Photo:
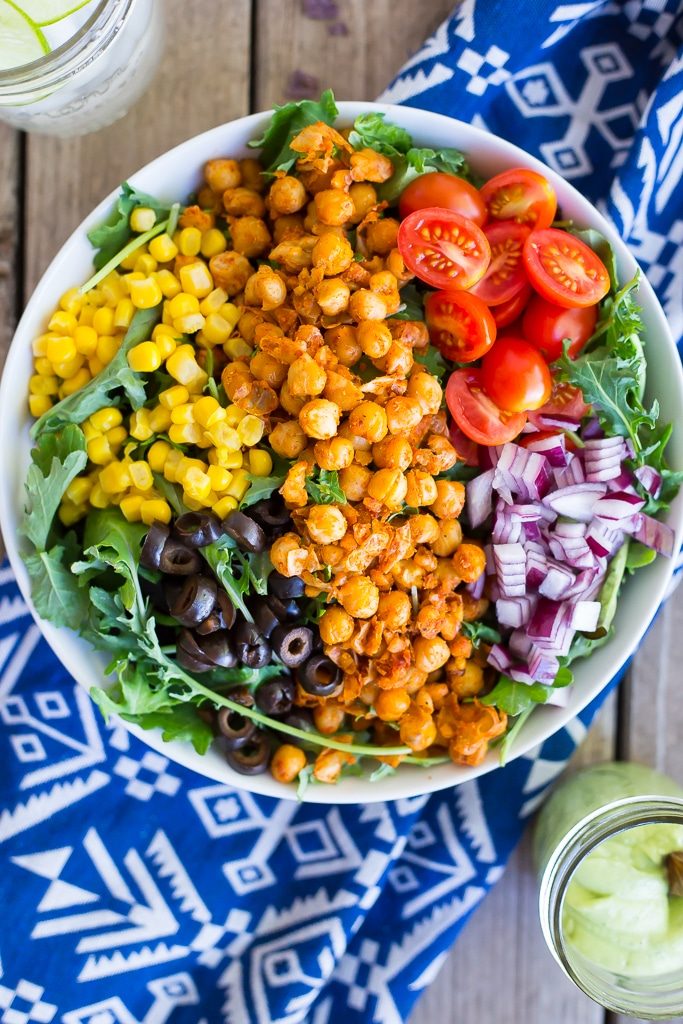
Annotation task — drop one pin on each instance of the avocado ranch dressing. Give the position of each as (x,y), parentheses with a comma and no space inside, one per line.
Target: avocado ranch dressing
(617,911)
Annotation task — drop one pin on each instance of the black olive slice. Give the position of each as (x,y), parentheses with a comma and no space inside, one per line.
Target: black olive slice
(150,555)
(216,649)
(195,600)
(253,758)
(276,696)
(292,644)
(271,511)
(235,728)
(179,560)
(264,617)
(197,529)
(245,531)
(319,676)
(285,587)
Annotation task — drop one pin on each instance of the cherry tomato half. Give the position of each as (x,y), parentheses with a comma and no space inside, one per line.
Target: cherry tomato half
(507,312)
(444,190)
(522,195)
(443,248)
(546,325)
(564,270)
(460,325)
(515,375)
(506,274)
(565,400)
(475,414)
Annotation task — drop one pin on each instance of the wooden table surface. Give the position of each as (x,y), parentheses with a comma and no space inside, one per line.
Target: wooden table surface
(224,60)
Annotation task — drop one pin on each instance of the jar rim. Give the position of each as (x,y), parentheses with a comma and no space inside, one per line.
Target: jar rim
(580,841)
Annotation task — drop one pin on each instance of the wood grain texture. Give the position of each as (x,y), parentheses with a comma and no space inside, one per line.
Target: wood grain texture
(9,233)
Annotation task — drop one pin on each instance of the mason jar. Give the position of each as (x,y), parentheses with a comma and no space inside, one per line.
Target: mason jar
(607,915)
(93,77)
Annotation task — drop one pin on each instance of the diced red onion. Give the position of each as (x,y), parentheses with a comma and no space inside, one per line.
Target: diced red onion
(576,501)
(650,479)
(623,482)
(554,448)
(543,666)
(587,584)
(653,534)
(476,589)
(592,429)
(617,506)
(519,644)
(536,565)
(585,616)
(499,658)
(480,498)
(547,422)
(515,611)
(602,540)
(573,473)
(574,550)
(546,620)
(557,581)
(565,529)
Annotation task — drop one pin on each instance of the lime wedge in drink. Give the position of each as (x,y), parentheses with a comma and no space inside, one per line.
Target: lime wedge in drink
(47,12)
(21,41)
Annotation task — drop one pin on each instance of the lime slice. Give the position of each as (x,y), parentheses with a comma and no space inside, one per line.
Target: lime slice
(20,40)
(48,12)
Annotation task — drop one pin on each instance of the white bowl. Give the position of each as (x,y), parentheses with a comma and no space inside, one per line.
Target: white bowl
(173,176)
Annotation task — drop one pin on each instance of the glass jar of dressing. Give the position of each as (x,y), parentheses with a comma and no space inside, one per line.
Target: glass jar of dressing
(609,847)
(82,71)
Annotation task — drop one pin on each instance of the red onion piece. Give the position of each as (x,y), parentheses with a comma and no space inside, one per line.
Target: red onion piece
(585,616)
(554,448)
(557,581)
(653,534)
(617,506)
(576,501)
(499,658)
(650,479)
(480,498)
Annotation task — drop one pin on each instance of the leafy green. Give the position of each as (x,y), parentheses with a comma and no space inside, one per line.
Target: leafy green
(639,556)
(56,460)
(287,121)
(112,234)
(514,698)
(373,131)
(261,487)
(179,723)
(412,303)
(221,557)
(480,633)
(432,360)
(323,488)
(306,778)
(584,644)
(512,734)
(381,772)
(55,590)
(100,391)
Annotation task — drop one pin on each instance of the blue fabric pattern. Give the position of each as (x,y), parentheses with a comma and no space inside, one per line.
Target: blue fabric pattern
(136,892)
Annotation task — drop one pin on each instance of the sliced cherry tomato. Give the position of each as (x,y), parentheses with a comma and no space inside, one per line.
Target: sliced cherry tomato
(444,190)
(515,375)
(460,325)
(475,414)
(564,270)
(546,325)
(522,195)
(507,312)
(506,274)
(443,248)
(465,448)
(565,400)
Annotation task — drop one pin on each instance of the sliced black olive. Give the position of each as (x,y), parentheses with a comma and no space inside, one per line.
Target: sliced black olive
(216,649)
(197,529)
(241,695)
(156,538)
(264,617)
(179,560)
(195,600)
(285,587)
(292,644)
(320,676)
(189,655)
(286,611)
(253,758)
(276,696)
(211,624)
(235,728)
(250,647)
(271,511)
(226,608)
(245,531)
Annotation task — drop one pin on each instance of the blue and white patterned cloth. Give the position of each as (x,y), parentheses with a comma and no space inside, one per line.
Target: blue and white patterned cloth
(136,892)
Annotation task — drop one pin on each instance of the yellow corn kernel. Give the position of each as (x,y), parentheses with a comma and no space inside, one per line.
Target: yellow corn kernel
(75,383)
(166,317)
(60,348)
(185,433)
(78,490)
(39,385)
(123,314)
(105,419)
(166,344)
(71,301)
(190,241)
(213,301)
(208,411)
(224,436)
(99,452)
(95,365)
(172,397)
(85,338)
(213,243)
(189,324)
(130,506)
(145,357)
(142,219)
(146,293)
(157,455)
(117,436)
(168,282)
(112,289)
(236,348)
(232,460)
(216,330)
(98,499)
(224,506)
(145,264)
(128,262)
(94,297)
(186,464)
(43,367)
(103,321)
(163,248)
(196,279)
(233,414)
(220,478)
(134,275)
(250,430)
(182,413)
(182,305)
(260,462)
(141,475)
(69,367)
(138,425)
(239,485)
(89,431)
(196,484)
(155,510)
(230,312)
(114,478)
(62,322)
(38,404)
(39,345)
(70,514)
(107,347)
(184,368)
(86,316)
(159,419)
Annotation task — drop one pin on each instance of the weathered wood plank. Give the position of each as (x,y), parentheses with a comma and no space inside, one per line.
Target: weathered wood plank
(10,229)
(203,81)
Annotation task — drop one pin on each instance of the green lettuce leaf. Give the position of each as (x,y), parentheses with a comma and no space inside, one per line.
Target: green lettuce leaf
(56,594)
(324,489)
(111,236)
(56,460)
(287,121)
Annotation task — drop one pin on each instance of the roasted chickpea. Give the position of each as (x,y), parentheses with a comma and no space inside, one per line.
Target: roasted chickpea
(427,390)
(380,235)
(398,361)
(369,165)
(344,392)
(374,338)
(359,597)
(392,453)
(367,305)
(288,439)
(396,264)
(333,206)
(305,377)
(336,626)
(287,195)
(403,413)
(472,607)
(289,226)
(361,445)
(236,378)
(195,217)
(242,202)
(320,418)
(353,481)
(221,174)
(385,284)
(412,334)
(364,197)
(265,289)
(332,254)
(328,765)
(293,489)
(450,499)
(407,574)
(428,620)
(343,341)
(335,453)
(424,529)
(390,705)
(287,555)
(388,486)
(328,718)
(450,536)
(265,367)
(326,524)
(470,682)
(250,236)
(332,295)
(286,762)
(394,610)
(208,200)
(252,174)
(417,729)
(249,320)
(430,653)
(368,420)
(289,402)
(230,271)
(293,253)
(421,488)
(469,561)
